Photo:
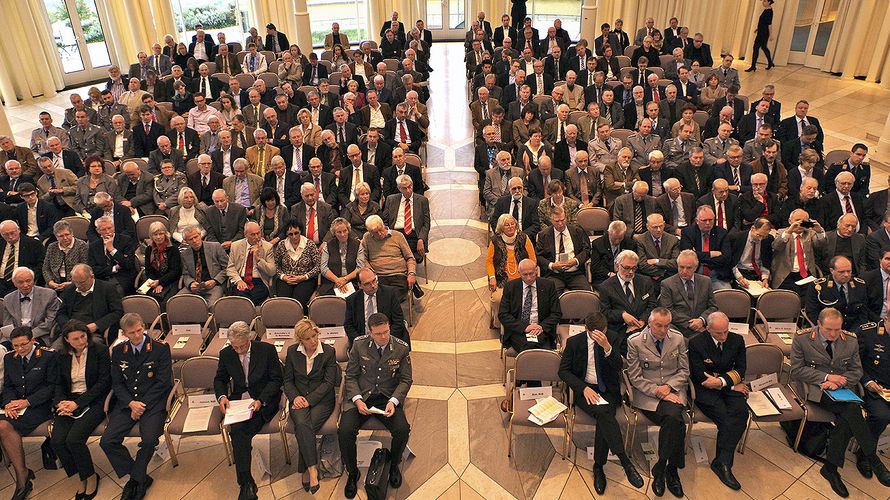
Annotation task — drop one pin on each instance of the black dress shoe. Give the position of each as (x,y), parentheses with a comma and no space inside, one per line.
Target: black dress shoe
(672,479)
(880,471)
(248,491)
(23,492)
(314,489)
(91,496)
(351,485)
(725,474)
(863,465)
(305,486)
(751,69)
(770,66)
(599,479)
(633,477)
(142,488)
(657,481)
(395,476)
(834,479)
(129,489)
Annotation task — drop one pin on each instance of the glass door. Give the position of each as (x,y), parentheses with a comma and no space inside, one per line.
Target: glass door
(79,35)
(446,19)
(812,31)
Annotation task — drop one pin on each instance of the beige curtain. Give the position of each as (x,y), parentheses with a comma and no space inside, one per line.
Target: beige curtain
(493,9)
(379,11)
(135,26)
(278,12)
(29,66)
(161,14)
(860,41)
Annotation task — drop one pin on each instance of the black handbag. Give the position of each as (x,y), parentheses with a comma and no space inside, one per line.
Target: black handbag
(377,481)
(814,439)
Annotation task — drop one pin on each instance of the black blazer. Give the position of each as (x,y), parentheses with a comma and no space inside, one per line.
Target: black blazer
(875,244)
(731,204)
(98,377)
(47,215)
(530,222)
(370,174)
(125,258)
(545,248)
(390,134)
(328,188)
(787,129)
(510,313)
(388,303)
(602,259)
(214,183)
(192,142)
(706,358)
(382,157)
(691,238)
(738,110)
(263,381)
(31,254)
(833,209)
(562,161)
(319,385)
(795,180)
(107,307)
(686,174)
(737,242)
(306,154)
(390,186)
(535,181)
(614,302)
(6,184)
(573,365)
(217,158)
(36,383)
(750,209)
(291,186)
(123,222)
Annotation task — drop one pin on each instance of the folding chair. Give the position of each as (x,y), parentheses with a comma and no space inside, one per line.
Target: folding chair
(665,59)
(391,64)
(149,310)
(736,304)
(330,310)
(629,50)
(537,365)
(836,156)
(246,80)
(594,220)
(575,306)
(701,117)
(222,77)
(226,311)
(196,377)
(191,167)
(187,309)
(776,306)
(143,225)
(141,163)
(79,226)
(280,312)
(623,61)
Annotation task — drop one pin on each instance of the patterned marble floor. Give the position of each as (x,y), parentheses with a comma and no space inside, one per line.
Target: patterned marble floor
(458,433)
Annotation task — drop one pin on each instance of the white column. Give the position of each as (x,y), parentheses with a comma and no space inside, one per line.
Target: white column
(5,129)
(882,152)
(304,30)
(588,20)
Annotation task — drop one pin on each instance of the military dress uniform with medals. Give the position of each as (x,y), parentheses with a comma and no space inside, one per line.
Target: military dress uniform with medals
(32,378)
(853,303)
(874,353)
(138,373)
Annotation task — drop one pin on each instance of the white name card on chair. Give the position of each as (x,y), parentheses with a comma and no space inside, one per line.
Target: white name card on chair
(765,381)
(576,329)
(186,330)
(202,400)
(280,333)
(331,332)
(529,393)
(782,327)
(223,333)
(739,328)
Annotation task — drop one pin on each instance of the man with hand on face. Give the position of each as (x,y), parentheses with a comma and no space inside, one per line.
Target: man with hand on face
(591,365)
(250,265)
(141,378)
(752,254)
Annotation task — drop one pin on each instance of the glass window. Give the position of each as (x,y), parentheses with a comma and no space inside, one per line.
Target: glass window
(352,15)
(64,36)
(231,17)
(433,14)
(544,12)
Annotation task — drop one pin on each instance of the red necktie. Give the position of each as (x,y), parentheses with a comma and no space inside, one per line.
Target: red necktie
(754,265)
(706,247)
(765,211)
(310,226)
(408,220)
(655,96)
(181,144)
(248,270)
(849,206)
(720,221)
(403,135)
(801,261)
(147,129)
(318,185)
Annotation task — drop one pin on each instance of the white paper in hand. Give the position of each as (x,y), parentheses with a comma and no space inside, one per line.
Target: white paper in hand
(376,411)
(239,411)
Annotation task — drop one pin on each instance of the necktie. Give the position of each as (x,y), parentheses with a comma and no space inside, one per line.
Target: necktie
(24,364)
(585,193)
(157,65)
(369,310)
(198,267)
(298,160)
(10,264)
(525,316)
(590,78)
(261,163)
(655,96)
(638,217)
(844,295)
(706,247)
(242,140)
(628,292)
(356,177)
(318,186)
(180,143)
(736,178)
(540,85)
(754,265)
(562,130)
(829,349)
(225,65)
(147,129)
(52,181)
(256,111)
(252,63)
(403,134)
(206,84)
(342,134)
(205,181)
(801,260)
(562,248)
(720,346)
(848,205)
(690,290)
(310,224)
(245,365)
(658,345)
(484,111)
(516,210)
(720,219)
(409,221)
(675,211)
(380,351)
(248,270)
(725,72)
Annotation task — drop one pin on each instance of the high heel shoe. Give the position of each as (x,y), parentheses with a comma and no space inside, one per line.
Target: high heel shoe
(91,496)
(305,486)
(770,66)
(751,69)
(314,489)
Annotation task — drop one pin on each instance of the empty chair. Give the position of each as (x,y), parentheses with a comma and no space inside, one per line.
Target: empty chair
(836,156)
(766,359)
(535,365)
(280,313)
(575,306)
(776,306)
(190,319)
(226,311)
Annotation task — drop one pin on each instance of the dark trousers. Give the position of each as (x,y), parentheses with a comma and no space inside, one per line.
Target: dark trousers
(760,42)
(242,435)
(608,433)
(351,421)
(730,413)
(569,281)
(878,414)
(307,422)
(151,427)
(789,284)
(672,436)
(849,424)
(399,281)
(302,291)
(412,239)
(257,294)
(69,441)
(518,342)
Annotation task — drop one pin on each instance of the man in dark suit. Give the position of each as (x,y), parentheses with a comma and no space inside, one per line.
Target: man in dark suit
(775,107)
(136,188)
(877,242)
(283,180)
(145,133)
(627,297)
(695,175)
(529,311)
(357,169)
(539,178)
(313,215)
(711,247)
(95,302)
(403,133)
(699,51)
(401,167)
(65,158)
(843,241)
(17,252)
(247,367)
(562,157)
(503,31)
(752,254)
(141,377)
(399,206)
(730,99)
(184,139)
(224,156)
(735,171)
(606,38)
(717,363)
(113,256)
(792,127)
(122,217)
(205,181)
(296,152)
(523,208)
(758,203)
(603,250)
(44,213)
(876,284)
(842,200)
(225,220)
(688,295)
(375,151)
(11,183)
(373,298)
(563,251)
(860,169)
(276,41)
(208,47)
(345,131)
(592,385)
(677,206)
(724,204)
(751,122)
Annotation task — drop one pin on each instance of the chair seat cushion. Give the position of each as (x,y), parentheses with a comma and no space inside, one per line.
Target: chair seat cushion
(178,421)
(520,413)
(191,349)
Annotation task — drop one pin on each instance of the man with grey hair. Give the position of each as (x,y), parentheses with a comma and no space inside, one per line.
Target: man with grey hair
(313,214)
(204,265)
(16,252)
(604,250)
(627,296)
(250,267)
(120,215)
(717,363)
(31,305)
(402,132)
(95,302)
(388,254)
(136,188)
(409,213)
(688,295)
(113,256)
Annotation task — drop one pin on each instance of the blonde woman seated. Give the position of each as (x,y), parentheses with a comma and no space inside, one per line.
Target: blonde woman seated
(188,213)
(687,119)
(162,264)
(311,379)
(508,247)
(311,131)
(359,209)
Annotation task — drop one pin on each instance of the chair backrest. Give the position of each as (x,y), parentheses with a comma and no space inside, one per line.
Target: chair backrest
(328,310)
(199,372)
(228,310)
(623,61)
(145,222)
(763,359)
(191,167)
(328,65)
(577,304)
(540,99)
(307,88)
(146,307)
(271,79)
(836,156)
(246,80)
(326,55)
(736,304)
(624,71)
(334,77)
(211,67)
(240,55)
(779,305)
(110,169)
(701,117)
(273,66)
(658,71)
(270,56)
(281,312)
(622,134)
(141,163)
(593,219)
(391,64)
(187,309)
(373,44)
(629,51)
(236,47)
(79,226)
(665,59)
(537,364)
(413,159)
(574,116)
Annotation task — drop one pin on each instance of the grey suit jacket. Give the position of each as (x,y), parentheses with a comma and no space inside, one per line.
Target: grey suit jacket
(216,258)
(784,255)
(647,368)
(264,262)
(623,209)
(493,189)
(163,63)
(667,258)
(38,139)
(687,201)
(673,296)
(573,185)
(810,362)
(826,249)
(714,150)
(44,306)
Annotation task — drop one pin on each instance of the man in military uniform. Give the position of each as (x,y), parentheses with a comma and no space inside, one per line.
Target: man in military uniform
(167,186)
(824,358)
(676,150)
(378,375)
(642,143)
(841,291)
(86,139)
(658,368)
(874,353)
(717,364)
(141,378)
(31,373)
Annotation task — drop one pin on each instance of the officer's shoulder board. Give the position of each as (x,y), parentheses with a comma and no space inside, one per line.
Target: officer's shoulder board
(869,326)
(399,341)
(806,331)
(361,337)
(857,279)
(845,334)
(635,335)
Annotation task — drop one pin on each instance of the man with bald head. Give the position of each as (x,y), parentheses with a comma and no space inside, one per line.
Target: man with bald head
(845,241)
(633,208)
(95,302)
(529,310)
(136,188)
(843,201)
(251,267)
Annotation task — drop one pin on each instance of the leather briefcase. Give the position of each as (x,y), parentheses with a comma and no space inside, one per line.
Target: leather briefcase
(377,480)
